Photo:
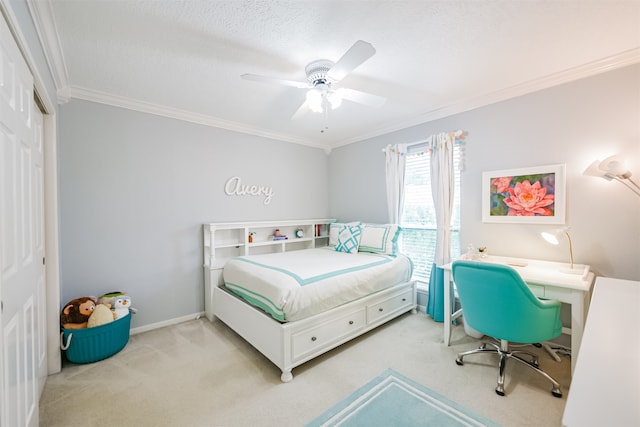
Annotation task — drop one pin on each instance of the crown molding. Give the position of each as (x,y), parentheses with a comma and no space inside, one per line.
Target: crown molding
(38,82)
(610,63)
(623,59)
(42,13)
(187,116)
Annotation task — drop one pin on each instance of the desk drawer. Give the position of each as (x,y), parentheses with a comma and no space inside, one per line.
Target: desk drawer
(538,290)
(550,292)
(560,294)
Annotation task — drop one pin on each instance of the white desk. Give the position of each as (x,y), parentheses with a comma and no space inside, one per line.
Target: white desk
(547,280)
(605,390)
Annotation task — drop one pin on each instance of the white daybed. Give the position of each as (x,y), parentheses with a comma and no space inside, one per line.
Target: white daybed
(290,343)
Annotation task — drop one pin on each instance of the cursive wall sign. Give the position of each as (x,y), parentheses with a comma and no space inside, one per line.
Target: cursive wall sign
(235,187)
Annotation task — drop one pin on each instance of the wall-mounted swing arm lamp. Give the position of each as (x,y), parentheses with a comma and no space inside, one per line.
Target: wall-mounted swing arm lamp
(554,237)
(613,168)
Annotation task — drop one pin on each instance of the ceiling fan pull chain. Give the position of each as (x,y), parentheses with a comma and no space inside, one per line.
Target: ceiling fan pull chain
(325,117)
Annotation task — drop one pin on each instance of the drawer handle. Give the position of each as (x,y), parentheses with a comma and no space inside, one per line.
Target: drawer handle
(351,322)
(404,299)
(380,309)
(313,338)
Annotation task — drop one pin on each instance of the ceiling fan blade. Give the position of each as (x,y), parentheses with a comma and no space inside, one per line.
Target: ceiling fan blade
(362,97)
(283,82)
(304,109)
(356,55)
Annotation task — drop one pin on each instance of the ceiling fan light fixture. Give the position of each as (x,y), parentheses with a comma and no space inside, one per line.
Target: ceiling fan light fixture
(321,97)
(314,100)
(334,98)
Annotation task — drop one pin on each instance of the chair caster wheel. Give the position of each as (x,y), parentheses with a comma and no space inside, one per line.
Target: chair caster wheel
(556,393)
(459,362)
(500,392)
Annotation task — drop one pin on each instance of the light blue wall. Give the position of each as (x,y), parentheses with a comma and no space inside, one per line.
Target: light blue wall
(357,182)
(135,189)
(574,123)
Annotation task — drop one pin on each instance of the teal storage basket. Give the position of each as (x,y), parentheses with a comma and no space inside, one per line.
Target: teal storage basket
(90,345)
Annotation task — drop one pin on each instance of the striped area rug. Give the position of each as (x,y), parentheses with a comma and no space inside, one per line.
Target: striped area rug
(392,399)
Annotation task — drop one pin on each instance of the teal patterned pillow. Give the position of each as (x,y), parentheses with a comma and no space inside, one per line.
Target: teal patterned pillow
(349,239)
(334,230)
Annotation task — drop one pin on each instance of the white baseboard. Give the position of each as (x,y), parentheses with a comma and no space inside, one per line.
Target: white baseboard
(164,323)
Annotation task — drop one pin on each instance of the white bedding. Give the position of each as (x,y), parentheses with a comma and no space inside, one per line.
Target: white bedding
(293,285)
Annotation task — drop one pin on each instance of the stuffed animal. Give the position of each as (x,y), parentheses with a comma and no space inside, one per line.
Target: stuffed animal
(76,312)
(101,315)
(109,297)
(121,305)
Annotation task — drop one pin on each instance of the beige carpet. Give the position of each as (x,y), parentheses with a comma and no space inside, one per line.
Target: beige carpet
(200,373)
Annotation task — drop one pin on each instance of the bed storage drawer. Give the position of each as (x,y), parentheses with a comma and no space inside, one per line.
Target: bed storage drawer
(307,341)
(389,306)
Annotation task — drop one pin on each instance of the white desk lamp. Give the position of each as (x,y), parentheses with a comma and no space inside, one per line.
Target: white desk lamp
(554,237)
(613,168)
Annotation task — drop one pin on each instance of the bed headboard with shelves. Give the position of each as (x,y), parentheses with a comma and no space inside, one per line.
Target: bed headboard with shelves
(223,241)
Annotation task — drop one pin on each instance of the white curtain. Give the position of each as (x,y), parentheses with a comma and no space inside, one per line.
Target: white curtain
(395,157)
(442,189)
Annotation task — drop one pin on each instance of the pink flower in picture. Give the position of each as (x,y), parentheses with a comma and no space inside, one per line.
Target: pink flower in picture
(502,183)
(526,199)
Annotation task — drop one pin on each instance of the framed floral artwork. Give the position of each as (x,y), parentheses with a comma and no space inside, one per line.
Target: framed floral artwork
(533,195)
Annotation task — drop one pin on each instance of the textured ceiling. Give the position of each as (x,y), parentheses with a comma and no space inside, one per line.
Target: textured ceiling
(185,58)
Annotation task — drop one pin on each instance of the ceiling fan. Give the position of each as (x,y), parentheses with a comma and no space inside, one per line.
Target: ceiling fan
(323,76)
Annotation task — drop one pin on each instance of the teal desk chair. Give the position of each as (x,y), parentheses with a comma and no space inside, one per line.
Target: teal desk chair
(497,302)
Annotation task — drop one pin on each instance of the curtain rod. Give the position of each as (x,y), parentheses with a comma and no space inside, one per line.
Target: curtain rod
(458,134)
(409,147)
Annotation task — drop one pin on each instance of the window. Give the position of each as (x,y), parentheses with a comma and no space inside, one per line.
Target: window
(419,216)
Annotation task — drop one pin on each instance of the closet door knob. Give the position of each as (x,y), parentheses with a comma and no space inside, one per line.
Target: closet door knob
(313,338)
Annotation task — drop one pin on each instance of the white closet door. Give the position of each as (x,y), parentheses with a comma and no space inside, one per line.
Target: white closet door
(22,284)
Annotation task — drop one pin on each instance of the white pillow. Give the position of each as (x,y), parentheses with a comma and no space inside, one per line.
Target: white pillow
(349,239)
(380,238)
(334,230)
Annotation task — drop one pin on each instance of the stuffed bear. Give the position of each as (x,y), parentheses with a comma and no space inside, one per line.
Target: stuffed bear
(101,315)
(76,312)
